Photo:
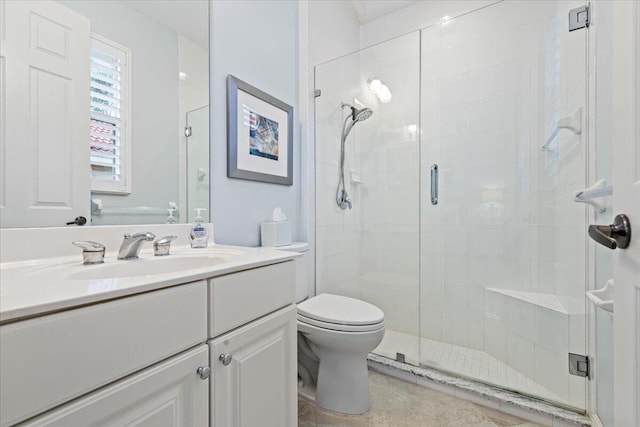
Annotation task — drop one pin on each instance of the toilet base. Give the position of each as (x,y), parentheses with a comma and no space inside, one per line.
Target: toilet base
(308,391)
(343,383)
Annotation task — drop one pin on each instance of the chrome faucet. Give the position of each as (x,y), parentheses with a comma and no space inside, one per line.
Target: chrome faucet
(131,244)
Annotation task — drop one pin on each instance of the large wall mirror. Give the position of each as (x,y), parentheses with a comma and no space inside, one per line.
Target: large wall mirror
(105,111)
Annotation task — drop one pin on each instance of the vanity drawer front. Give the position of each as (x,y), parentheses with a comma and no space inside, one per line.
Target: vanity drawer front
(241,297)
(51,359)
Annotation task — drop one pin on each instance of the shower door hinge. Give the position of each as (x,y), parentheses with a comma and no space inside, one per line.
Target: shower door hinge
(579,17)
(579,365)
(317,93)
(187,131)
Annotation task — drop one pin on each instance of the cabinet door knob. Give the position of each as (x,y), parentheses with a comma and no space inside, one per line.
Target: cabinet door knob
(204,372)
(225,358)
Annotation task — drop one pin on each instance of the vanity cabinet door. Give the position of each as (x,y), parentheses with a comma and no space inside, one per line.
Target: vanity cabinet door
(166,395)
(254,381)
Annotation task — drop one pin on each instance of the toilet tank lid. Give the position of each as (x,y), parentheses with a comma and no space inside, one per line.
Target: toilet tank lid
(341,310)
(295,247)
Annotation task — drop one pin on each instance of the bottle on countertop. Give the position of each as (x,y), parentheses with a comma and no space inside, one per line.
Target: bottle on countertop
(170,218)
(198,234)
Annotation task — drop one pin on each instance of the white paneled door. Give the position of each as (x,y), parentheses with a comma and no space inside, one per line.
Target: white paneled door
(44,114)
(626,182)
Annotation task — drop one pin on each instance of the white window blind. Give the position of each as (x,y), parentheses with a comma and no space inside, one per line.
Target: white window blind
(108,136)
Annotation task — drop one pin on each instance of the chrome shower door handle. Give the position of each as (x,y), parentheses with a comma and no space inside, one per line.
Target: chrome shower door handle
(616,235)
(434,184)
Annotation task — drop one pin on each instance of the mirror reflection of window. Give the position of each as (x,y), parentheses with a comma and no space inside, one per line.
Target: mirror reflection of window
(112,86)
(109,98)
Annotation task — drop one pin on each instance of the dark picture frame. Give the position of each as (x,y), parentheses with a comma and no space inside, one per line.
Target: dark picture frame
(259,135)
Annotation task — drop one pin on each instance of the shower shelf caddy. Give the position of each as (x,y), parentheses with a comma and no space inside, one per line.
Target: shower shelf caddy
(595,195)
(572,122)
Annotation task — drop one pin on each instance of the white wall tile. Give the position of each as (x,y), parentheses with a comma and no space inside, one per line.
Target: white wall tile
(431,323)
(456,299)
(476,328)
(457,329)
(551,371)
(521,319)
(495,339)
(552,330)
(520,354)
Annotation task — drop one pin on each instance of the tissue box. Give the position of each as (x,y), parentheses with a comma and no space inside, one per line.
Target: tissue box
(275,233)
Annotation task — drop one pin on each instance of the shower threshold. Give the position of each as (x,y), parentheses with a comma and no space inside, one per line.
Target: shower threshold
(462,361)
(475,370)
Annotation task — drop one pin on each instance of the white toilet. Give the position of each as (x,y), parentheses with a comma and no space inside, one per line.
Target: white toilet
(335,335)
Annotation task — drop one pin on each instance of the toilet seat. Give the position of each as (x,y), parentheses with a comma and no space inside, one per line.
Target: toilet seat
(340,313)
(340,328)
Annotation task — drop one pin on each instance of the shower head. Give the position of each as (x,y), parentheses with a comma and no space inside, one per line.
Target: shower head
(357,115)
(361,114)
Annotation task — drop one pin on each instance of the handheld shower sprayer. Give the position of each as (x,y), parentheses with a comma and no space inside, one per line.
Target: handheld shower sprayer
(357,115)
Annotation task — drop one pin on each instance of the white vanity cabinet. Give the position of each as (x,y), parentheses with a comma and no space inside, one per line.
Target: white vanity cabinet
(254,366)
(153,358)
(50,360)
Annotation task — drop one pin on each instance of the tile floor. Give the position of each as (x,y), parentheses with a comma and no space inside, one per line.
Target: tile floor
(462,361)
(396,403)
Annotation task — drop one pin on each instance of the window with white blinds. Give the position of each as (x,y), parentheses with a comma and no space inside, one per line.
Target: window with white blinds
(109,107)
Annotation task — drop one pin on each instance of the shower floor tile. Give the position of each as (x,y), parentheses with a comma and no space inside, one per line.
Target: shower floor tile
(461,361)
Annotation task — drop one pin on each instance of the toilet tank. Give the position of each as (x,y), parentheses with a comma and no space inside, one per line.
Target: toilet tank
(303,269)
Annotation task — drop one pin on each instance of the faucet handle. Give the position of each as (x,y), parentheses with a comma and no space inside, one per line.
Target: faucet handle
(162,245)
(92,252)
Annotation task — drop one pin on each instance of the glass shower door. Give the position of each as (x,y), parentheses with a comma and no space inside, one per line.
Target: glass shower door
(198,162)
(371,250)
(503,270)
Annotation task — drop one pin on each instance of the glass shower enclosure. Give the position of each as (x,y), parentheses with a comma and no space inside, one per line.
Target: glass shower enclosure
(197,164)
(486,280)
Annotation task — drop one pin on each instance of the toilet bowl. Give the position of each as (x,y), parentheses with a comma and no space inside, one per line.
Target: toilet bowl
(335,336)
(340,332)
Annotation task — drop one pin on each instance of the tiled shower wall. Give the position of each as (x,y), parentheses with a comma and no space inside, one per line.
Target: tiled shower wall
(388,153)
(371,251)
(338,240)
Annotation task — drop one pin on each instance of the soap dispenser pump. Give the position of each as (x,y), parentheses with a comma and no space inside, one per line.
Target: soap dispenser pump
(198,234)
(170,218)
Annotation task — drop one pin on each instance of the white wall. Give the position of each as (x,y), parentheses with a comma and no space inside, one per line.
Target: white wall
(419,15)
(334,30)
(154,105)
(257,43)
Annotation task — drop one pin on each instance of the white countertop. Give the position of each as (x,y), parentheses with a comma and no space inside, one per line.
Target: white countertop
(35,287)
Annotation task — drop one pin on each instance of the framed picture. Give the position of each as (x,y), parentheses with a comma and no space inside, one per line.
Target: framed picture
(260,135)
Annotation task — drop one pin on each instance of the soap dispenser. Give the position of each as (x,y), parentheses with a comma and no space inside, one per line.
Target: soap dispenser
(170,218)
(198,234)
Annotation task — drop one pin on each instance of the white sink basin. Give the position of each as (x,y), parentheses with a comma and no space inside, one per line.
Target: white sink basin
(113,269)
(145,267)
